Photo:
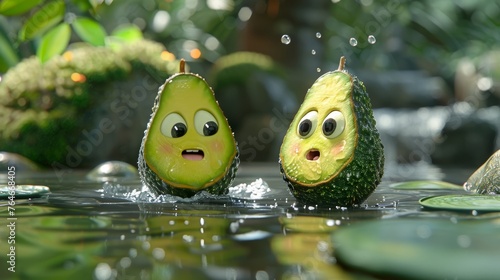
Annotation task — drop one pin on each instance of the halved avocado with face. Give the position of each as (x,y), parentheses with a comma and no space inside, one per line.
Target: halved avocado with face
(188,145)
(332,153)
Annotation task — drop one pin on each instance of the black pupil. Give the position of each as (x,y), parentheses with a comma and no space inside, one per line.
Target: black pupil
(178,130)
(305,127)
(210,128)
(329,126)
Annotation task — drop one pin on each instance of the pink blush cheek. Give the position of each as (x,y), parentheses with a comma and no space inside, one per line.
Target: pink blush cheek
(165,147)
(337,149)
(295,149)
(216,146)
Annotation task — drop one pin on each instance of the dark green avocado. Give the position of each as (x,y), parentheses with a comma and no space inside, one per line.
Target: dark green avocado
(332,154)
(188,146)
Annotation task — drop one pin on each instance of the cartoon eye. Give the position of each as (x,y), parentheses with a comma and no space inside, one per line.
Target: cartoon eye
(205,123)
(173,126)
(334,124)
(307,124)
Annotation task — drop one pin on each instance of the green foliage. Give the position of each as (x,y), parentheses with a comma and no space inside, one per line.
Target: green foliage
(122,35)
(17,7)
(40,117)
(54,42)
(45,25)
(8,56)
(44,19)
(89,31)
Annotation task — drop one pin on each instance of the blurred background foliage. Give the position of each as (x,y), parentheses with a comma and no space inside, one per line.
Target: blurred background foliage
(426,34)
(422,44)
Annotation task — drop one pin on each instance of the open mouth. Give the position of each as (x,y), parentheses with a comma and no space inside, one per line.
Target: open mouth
(312,155)
(193,154)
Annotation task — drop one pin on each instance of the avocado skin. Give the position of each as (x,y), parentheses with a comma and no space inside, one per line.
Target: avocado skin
(347,189)
(159,187)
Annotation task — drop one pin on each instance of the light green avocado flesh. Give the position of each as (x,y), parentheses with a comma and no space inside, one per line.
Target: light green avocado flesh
(331,92)
(192,161)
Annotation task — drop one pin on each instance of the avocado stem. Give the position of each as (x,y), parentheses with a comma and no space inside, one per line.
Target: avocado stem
(182,66)
(341,63)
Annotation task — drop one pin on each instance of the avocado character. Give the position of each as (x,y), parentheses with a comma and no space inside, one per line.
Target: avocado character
(332,154)
(188,145)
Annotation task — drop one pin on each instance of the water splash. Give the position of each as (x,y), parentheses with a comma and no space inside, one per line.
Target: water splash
(313,52)
(371,39)
(256,189)
(285,39)
(144,194)
(353,42)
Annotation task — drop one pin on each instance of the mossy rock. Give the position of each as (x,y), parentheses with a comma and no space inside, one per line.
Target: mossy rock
(86,106)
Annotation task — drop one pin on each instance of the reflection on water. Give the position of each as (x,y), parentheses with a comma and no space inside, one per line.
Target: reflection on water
(87,229)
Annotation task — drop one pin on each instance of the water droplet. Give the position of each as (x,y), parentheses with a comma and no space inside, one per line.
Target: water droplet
(125,262)
(318,69)
(318,35)
(322,246)
(103,271)
(371,39)
(132,253)
(158,253)
(463,241)
(352,41)
(313,52)
(424,232)
(285,39)
(187,238)
(234,226)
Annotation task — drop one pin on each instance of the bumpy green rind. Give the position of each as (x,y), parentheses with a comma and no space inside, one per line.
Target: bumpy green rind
(361,176)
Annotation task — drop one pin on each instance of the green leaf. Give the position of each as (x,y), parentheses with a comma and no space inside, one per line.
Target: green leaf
(89,31)
(54,42)
(17,7)
(123,35)
(8,56)
(128,33)
(83,5)
(44,19)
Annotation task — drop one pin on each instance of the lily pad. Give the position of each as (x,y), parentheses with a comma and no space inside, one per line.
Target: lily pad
(462,202)
(23,191)
(421,249)
(425,185)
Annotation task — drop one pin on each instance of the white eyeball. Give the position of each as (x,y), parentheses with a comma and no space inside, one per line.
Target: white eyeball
(333,125)
(205,123)
(307,124)
(173,126)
